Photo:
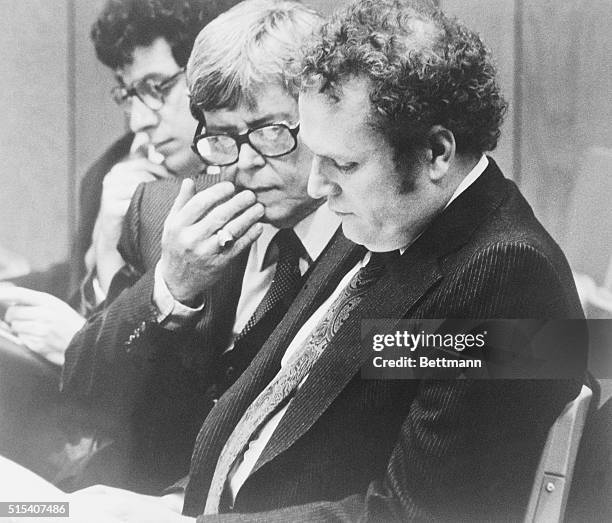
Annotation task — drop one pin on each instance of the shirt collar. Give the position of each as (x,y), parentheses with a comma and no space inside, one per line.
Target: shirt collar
(314,232)
(472,176)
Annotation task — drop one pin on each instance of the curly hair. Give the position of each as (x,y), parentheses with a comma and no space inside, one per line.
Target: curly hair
(424,69)
(124,25)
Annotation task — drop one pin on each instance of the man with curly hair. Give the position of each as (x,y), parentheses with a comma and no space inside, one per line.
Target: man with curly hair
(398,105)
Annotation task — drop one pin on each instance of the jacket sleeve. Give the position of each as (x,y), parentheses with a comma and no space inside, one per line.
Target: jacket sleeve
(467,449)
(112,358)
(98,354)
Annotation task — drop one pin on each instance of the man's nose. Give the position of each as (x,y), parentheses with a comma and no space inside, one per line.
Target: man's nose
(249,158)
(319,183)
(142,118)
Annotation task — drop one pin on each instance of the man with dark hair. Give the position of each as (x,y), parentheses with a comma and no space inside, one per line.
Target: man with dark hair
(146,43)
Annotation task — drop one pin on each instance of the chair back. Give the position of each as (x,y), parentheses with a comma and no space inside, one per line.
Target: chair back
(554,474)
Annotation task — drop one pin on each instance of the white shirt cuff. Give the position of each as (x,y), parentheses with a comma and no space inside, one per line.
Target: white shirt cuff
(171,313)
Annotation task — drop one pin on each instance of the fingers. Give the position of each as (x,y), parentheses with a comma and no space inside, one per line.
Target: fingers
(29,328)
(34,343)
(251,234)
(244,203)
(22,312)
(19,295)
(243,222)
(202,203)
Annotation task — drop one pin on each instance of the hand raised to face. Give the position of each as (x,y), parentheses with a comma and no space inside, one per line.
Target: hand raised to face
(203,233)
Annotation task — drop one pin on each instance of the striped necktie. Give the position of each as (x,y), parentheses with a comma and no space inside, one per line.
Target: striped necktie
(280,389)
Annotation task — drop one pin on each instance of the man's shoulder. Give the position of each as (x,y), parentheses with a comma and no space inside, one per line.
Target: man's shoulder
(113,154)
(514,228)
(493,214)
(156,198)
(144,222)
(504,254)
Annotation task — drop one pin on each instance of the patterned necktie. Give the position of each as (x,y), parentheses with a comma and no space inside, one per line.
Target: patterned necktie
(286,381)
(287,278)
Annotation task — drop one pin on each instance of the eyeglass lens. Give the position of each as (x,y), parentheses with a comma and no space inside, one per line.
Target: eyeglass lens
(149,91)
(146,93)
(222,149)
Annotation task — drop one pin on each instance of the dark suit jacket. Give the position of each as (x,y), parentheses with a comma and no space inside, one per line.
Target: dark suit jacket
(159,384)
(354,449)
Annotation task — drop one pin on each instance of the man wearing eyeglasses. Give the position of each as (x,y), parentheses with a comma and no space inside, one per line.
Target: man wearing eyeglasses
(233,257)
(146,43)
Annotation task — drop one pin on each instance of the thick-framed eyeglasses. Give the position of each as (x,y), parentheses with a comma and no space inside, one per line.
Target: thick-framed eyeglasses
(149,91)
(269,140)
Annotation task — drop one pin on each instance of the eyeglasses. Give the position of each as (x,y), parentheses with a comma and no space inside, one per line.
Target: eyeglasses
(270,140)
(150,92)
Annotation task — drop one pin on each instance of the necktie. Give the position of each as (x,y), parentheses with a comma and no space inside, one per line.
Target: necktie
(287,278)
(286,381)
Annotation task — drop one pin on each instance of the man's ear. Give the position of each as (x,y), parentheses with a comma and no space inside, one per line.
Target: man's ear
(441,151)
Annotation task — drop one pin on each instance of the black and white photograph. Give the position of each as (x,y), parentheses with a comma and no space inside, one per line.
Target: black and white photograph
(306,260)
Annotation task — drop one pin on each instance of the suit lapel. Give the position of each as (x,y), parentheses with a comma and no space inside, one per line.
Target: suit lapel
(343,357)
(407,280)
(334,262)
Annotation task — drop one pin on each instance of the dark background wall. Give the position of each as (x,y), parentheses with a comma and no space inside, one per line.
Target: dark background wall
(552,55)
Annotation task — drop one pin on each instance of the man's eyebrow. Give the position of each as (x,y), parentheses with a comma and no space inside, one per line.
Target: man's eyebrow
(328,155)
(251,124)
(149,76)
(271,118)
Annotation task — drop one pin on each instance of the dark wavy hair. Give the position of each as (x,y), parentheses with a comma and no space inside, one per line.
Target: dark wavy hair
(423,69)
(124,25)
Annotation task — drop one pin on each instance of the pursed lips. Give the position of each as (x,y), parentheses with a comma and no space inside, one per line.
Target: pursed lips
(256,190)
